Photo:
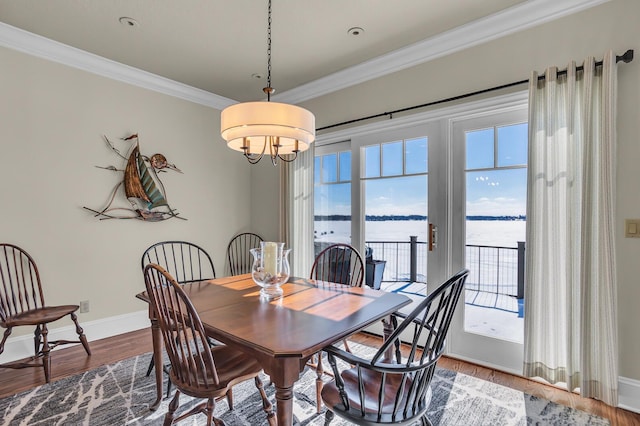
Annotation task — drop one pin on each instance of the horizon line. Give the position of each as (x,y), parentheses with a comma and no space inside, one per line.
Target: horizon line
(338,217)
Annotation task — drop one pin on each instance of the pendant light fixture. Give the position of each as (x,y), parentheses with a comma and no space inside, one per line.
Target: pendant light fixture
(276,129)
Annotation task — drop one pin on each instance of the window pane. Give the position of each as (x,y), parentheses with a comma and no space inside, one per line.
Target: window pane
(332,211)
(345,166)
(479,149)
(372,161)
(316,169)
(416,156)
(496,193)
(392,159)
(330,168)
(400,196)
(512,145)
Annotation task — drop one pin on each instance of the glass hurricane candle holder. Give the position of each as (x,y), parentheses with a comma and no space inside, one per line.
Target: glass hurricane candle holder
(270,268)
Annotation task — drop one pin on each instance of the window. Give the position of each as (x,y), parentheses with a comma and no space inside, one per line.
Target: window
(332,199)
(395,204)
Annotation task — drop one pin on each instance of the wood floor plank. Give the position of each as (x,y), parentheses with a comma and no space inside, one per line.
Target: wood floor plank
(72,360)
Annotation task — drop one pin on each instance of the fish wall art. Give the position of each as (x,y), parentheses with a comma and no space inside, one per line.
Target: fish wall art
(143,188)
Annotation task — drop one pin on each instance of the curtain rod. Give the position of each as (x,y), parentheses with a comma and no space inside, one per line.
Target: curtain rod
(626,58)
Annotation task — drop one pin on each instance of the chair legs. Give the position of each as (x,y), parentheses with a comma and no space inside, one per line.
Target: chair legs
(46,361)
(7,332)
(230,398)
(173,406)
(42,347)
(80,332)
(208,407)
(266,404)
(424,421)
(328,417)
(319,382)
(319,372)
(150,369)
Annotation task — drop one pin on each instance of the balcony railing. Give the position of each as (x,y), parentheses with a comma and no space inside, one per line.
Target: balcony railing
(496,277)
(493,269)
(406,260)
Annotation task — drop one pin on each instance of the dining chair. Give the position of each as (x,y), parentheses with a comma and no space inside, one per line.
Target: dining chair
(197,369)
(240,259)
(392,387)
(22,304)
(185,261)
(337,263)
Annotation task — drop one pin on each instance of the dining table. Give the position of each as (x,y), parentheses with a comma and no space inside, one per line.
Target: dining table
(280,334)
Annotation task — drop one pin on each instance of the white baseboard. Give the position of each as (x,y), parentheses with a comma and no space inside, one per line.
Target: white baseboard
(628,389)
(22,346)
(629,394)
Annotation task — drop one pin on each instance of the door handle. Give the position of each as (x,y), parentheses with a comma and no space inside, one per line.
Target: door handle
(433,236)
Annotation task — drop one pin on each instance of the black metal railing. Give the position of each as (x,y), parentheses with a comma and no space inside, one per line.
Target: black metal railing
(406,261)
(493,269)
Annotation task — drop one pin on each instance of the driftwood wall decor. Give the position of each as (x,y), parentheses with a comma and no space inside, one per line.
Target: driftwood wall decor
(142,187)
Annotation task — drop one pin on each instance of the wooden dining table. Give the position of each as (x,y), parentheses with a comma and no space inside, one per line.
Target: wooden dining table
(281,334)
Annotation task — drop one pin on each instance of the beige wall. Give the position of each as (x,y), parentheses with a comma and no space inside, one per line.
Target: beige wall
(610,26)
(265,194)
(52,119)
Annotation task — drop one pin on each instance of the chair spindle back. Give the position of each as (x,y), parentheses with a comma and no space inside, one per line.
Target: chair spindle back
(20,288)
(240,259)
(183,334)
(339,263)
(185,262)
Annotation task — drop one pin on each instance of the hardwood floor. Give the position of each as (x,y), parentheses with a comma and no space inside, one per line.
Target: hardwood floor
(72,360)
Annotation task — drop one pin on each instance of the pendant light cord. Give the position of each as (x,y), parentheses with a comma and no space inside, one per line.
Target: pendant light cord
(269,89)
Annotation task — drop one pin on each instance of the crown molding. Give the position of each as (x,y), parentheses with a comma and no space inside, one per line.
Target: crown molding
(511,20)
(519,17)
(42,47)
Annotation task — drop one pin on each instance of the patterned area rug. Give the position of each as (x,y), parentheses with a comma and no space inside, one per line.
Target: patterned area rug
(120,394)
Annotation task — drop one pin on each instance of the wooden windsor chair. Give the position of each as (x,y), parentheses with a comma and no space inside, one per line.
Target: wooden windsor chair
(383,389)
(22,304)
(338,263)
(186,262)
(197,369)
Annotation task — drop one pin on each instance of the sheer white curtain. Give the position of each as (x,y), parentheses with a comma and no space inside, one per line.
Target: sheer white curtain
(571,331)
(296,216)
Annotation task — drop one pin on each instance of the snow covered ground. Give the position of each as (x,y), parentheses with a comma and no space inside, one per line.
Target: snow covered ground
(493,322)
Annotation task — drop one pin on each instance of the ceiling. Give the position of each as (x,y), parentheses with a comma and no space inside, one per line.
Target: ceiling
(220,46)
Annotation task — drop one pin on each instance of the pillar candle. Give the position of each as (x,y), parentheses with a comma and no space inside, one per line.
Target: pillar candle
(270,258)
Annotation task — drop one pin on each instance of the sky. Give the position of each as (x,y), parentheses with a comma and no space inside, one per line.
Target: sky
(496,185)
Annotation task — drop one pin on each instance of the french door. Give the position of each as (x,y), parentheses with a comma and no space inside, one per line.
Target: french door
(465,167)
(395,180)
(488,230)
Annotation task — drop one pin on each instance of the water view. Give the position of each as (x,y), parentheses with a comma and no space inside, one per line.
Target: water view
(505,233)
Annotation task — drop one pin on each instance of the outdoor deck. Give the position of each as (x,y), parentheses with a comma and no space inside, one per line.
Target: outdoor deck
(489,314)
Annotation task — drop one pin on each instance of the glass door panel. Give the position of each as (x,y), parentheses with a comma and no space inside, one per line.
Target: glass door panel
(394,182)
(332,199)
(490,181)
(394,198)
